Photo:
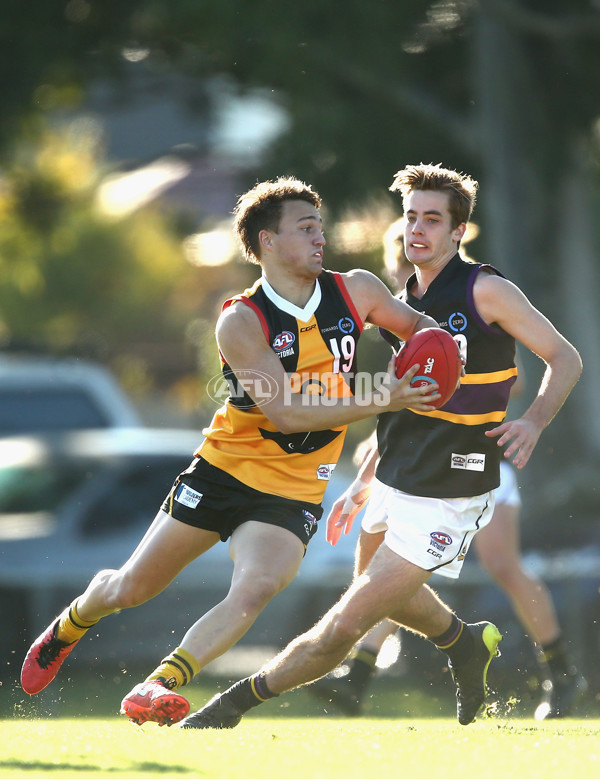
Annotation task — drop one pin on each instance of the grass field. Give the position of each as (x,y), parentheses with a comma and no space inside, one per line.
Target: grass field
(307,748)
(409,731)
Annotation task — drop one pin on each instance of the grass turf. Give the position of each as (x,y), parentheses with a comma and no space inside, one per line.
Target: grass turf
(307,748)
(72,730)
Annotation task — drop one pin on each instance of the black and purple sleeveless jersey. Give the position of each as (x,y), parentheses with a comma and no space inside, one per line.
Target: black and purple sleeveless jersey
(445,453)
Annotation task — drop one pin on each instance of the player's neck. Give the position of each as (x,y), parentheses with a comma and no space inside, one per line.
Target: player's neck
(426,273)
(292,288)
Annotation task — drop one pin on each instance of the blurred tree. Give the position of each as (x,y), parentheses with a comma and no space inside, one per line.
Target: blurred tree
(74,280)
(506,89)
(367,86)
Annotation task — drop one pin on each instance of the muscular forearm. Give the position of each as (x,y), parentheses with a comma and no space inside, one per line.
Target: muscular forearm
(423,322)
(366,472)
(310,412)
(557,383)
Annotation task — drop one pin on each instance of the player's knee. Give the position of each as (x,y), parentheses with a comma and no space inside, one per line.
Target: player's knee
(254,597)
(503,571)
(342,631)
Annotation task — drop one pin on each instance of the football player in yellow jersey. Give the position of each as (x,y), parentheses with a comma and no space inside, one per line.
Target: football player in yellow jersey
(295,331)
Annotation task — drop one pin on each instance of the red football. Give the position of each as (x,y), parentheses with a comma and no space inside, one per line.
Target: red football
(438,355)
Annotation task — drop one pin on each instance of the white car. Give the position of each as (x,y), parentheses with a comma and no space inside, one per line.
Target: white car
(41,393)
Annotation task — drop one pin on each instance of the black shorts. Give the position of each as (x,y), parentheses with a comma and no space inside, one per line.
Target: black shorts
(209,498)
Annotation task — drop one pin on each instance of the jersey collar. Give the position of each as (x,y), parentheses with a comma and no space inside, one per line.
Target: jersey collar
(303,314)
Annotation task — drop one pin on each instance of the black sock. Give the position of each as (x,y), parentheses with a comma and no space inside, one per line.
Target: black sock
(248,693)
(362,668)
(553,658)
(456,642)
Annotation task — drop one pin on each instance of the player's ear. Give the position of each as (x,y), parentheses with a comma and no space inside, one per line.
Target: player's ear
(265,239)
(458,232)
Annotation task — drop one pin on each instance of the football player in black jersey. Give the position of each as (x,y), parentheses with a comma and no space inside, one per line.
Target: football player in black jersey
(497,546)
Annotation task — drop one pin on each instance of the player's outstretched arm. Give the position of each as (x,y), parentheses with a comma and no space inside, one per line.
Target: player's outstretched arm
(376,305)
(500,301)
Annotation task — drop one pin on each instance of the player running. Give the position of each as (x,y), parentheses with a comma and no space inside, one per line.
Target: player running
(437,473)
(258,479)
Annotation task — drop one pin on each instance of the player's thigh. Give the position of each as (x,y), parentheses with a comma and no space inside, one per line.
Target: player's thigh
(498,543)
(166,549)
(366,546)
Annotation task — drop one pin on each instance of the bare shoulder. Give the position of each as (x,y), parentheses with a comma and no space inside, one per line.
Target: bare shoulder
(494,294)
(487,282)
(367,291)
(361,280)
(362,284)
(236,323)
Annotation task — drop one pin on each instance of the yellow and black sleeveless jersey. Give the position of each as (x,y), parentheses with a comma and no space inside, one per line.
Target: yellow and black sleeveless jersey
(445,453)
(317,348)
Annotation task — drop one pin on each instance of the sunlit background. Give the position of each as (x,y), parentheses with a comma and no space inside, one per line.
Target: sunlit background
(130,127)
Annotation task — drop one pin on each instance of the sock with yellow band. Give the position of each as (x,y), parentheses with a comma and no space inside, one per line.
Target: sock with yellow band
(71,627)
(456,642)
(248,693)
(176,669)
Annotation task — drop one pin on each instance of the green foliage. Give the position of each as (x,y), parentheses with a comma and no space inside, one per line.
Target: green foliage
(70,275)
(368,86)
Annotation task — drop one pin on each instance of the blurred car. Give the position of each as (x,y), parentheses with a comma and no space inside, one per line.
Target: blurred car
(76,502)
(40,393)
(72,503)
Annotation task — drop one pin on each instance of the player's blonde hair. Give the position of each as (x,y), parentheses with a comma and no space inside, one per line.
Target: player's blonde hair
(460,188)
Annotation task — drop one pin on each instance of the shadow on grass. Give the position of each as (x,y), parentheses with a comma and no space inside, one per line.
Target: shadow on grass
(142,768)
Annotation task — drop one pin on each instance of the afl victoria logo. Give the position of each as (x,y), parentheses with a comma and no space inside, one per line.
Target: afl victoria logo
(283,341)
(441,538)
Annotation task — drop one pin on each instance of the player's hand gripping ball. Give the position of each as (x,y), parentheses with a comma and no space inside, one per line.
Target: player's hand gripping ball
(439,358)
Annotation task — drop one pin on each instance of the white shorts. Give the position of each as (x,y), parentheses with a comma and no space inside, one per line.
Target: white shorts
(507,493)
(433,533)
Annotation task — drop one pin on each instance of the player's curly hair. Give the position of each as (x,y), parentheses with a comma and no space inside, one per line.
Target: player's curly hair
(461,188)
(260,209)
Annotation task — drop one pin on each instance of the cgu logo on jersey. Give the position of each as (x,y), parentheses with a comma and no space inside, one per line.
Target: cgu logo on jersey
(429,363)
(474,461)
(283,341)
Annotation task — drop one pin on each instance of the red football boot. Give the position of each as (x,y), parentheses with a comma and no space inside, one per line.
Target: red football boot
(44,659)
(153,702)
